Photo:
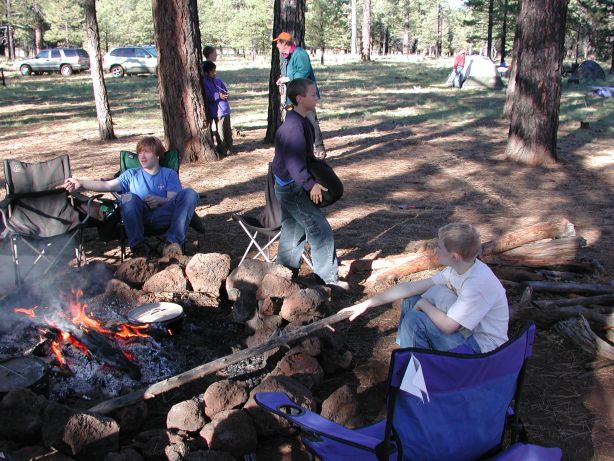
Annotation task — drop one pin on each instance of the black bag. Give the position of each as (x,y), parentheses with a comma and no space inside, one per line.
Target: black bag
(326,176)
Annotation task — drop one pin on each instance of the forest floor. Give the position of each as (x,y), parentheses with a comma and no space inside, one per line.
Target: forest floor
(397,136)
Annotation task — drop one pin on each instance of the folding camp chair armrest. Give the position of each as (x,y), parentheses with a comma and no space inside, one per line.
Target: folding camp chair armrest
(313,422)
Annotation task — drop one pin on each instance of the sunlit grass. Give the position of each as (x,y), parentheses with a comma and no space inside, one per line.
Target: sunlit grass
(394,90)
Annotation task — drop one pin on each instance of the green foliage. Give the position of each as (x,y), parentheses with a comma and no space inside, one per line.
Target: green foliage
(128,22)
(590,27)
(327,24)
(66,19)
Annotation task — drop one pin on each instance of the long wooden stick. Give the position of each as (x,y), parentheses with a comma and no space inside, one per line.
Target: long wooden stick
(568,287)
(584,301)
(201,371)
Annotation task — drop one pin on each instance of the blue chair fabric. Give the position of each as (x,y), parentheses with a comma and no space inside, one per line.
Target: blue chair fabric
(441,406)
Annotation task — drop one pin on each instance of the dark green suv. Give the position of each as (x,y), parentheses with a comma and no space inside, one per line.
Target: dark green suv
(62,60)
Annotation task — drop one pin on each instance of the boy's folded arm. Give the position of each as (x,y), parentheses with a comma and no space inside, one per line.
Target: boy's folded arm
(445,324)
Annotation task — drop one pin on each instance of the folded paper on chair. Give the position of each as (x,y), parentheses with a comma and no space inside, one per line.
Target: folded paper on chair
(413,380)
(324,175)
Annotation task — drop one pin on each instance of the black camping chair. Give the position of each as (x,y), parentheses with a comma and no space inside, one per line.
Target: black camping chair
(35,211)
(265,227)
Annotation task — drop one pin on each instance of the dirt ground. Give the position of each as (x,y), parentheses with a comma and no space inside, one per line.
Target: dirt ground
(451,172)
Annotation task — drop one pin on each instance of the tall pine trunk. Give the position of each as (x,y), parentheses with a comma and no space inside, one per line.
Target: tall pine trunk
(406,45)
(288,16)
(536,98)
(504,32)
(181,94)
(354,37)
(491,18)
(103,113)
(365,55)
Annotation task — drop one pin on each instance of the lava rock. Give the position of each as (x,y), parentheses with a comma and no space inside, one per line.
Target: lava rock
(302,305)
(336,360)
(224,395)
(76,433)
(246,278)
(342,408)
(268,424)
(302,367)
(131,418)
(187,415)
(206,272)
(121,292)
(170,279)
(283,449)
(127,454)
(153,443)
(21,415)
(276,286)
(231,431)
(135,271)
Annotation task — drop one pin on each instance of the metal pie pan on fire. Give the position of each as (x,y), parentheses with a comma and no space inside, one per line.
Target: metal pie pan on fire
(159,314)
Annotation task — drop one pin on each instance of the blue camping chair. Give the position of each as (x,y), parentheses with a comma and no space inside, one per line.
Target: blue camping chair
(441,406)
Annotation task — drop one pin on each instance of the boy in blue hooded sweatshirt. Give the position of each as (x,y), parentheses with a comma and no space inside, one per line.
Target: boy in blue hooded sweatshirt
(218,108)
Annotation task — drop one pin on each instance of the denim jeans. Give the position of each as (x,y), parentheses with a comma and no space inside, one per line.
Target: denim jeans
(302,221)
(458,78)
(416,329)
(174,215)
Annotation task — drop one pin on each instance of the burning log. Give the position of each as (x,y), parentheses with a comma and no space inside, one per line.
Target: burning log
(201,371)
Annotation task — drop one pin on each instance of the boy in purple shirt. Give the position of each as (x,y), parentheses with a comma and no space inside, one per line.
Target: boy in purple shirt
(298,192)
(218,108)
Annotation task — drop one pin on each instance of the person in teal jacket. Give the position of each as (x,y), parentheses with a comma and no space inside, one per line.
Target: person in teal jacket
(295,63)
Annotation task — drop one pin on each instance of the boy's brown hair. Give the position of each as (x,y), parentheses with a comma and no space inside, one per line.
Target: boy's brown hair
(461,238)
(152,143)
(298,87)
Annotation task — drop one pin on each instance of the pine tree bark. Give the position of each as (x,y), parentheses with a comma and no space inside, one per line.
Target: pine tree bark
(511,83)
(181,95)
(288,16)
(365,55)
(535,111)
(504,32)
(39,27)
(354,38)
(103,112)
(406,46)
(491,19)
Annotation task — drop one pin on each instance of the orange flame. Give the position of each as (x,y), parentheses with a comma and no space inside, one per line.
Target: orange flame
(131,331)
(28,312)
(56,350)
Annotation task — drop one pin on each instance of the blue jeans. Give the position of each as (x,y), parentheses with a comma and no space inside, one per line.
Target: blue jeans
(174,215)
(302,221)
(416,329)
(458,78)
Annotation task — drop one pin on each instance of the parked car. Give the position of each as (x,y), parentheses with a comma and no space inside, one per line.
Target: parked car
(62,60)
(131,60)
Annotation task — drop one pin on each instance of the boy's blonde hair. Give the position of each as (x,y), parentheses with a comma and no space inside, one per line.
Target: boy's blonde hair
(152,143)
(461,238)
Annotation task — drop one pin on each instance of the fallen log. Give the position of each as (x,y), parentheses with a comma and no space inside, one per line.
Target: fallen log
(545,318)
(567,287)
(556,228)
(578,331)
(581,300)
(557,252)
(201,371)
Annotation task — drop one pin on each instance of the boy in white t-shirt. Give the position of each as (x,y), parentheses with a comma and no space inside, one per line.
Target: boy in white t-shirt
(464,304)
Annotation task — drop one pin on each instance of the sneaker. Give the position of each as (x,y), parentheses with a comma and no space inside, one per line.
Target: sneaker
(341,284)
(140,251)
(172,249)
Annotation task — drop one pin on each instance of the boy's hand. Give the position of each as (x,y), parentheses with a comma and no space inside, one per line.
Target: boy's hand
(71,184)
(154,201)
(315,194)
(282,80)
(356,309)
(223,96)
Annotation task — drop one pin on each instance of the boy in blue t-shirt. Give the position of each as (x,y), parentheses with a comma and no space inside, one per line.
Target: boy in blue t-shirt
(152,197)
(218,108)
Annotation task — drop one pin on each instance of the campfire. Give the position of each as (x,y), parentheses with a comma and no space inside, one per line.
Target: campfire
(89,357)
